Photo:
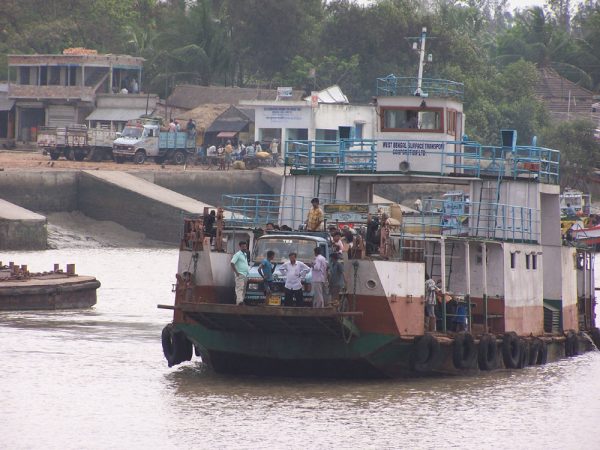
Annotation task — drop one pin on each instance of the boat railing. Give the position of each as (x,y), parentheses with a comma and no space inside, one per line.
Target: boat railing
(257,210)
(407,86)
(488,220)
(447,158)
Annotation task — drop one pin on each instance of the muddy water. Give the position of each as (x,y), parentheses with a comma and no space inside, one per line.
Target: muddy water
(97,379)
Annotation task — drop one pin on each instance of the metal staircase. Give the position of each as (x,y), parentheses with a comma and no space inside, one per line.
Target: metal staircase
(435,270)
(489,199)
(326,186)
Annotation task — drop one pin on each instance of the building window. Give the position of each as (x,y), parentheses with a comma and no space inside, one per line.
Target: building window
(412,119)
(513,260)
(23,75)
(326,135)
(534,262)
(527,261)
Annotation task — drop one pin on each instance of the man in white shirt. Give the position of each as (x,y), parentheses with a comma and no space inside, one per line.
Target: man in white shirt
(294,272)
(319,275)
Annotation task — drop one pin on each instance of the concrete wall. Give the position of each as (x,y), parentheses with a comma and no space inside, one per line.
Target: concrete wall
(210,186)
(41,191)
(23,234)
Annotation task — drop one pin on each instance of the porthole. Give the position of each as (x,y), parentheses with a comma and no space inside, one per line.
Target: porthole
(371,284)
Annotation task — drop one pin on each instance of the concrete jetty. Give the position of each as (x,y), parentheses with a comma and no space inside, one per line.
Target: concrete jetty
(21,229)
(150,202)
(135,203)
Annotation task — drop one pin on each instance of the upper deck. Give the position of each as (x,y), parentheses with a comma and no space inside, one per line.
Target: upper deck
(423,157)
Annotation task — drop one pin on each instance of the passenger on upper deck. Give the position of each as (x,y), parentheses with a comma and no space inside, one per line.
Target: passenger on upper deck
(315,216)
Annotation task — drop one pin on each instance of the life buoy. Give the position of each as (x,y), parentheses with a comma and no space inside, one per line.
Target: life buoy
(542,356)
(176,346)
(511,350)
(487,352)
(425,353)
(464,351)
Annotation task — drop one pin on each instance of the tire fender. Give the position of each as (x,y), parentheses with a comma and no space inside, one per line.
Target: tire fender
(511,350)
(176,347)
(425,353)
(464,352)
(487,352)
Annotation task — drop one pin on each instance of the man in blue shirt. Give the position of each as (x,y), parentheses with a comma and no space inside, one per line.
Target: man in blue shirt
(266,271)
(240,267)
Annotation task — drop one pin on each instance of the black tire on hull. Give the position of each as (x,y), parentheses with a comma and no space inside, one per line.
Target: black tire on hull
(487,352)
(595,334)
(535,348)
(176,346)
(570,344)
(425,354)
(511,350)
(525,353)
(543,353)
(464,352)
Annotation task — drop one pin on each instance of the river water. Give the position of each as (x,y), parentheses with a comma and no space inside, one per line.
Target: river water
(97,379)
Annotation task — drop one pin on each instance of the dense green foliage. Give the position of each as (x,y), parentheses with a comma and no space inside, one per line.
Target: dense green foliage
(311,44)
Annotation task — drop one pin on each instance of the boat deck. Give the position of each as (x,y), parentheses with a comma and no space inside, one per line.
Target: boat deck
(270,319)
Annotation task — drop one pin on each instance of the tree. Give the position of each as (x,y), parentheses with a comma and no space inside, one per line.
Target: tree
(580,151)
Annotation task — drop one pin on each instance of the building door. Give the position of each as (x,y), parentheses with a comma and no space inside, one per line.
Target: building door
(29,120)
(61,115)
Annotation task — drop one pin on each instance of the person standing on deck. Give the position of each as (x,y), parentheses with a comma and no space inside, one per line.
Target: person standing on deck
(337,278)
(430,290)
(319,276)
(315,216)
(265,270)
(294,271)
(240,267)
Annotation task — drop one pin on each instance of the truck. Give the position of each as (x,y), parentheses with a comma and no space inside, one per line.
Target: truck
(77,142)
(140,141)
(282,243)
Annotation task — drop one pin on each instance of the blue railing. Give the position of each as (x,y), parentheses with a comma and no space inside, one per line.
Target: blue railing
(257,210)
(489,220)
(438,157)
(403,86)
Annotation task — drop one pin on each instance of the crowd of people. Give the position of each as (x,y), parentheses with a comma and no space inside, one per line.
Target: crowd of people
(224,156)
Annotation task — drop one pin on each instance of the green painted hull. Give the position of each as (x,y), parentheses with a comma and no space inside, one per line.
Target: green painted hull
(367,356)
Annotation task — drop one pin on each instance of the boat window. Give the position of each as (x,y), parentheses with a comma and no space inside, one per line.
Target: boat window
(282,246)
(527,260)
(415,119)
(513,260)
(534,262)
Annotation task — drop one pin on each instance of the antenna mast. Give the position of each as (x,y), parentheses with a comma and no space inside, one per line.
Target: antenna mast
(419,91)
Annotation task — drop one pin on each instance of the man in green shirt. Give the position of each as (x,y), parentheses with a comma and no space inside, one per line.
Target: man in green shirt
(239,265)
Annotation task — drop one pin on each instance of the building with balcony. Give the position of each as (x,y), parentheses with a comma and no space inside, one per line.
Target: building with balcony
(57,90)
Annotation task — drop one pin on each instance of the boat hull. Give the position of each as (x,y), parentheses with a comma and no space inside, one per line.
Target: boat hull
(370,355)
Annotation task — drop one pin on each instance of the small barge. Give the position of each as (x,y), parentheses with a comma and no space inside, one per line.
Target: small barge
(21,290)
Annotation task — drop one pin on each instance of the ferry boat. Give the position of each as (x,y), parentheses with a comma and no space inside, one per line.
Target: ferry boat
(511,294)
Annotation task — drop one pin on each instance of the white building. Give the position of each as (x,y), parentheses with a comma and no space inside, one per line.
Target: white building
(327,116)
